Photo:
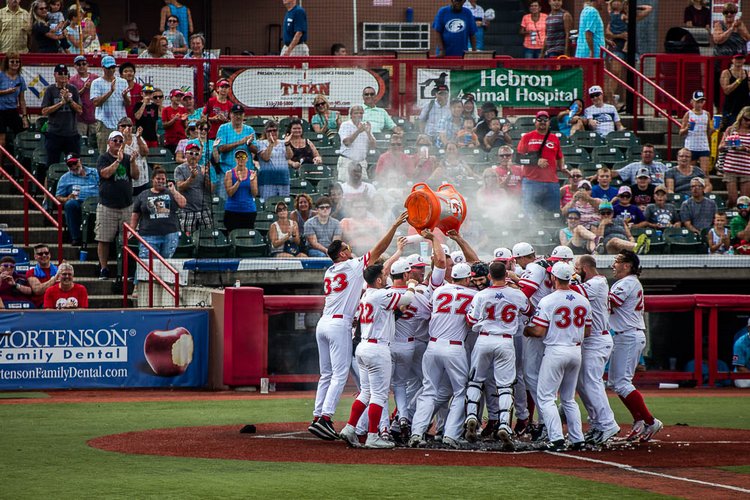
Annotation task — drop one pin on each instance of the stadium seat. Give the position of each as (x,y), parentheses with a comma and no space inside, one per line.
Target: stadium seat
(658,245)
(314,173)
(575,156)
(324,186)
(269,204)
(257,122)
(623,139)
(607,155)
(56,170)
(263,222)
(524,122)
(564,139)
(682,241)
(543,241)
(297,186)
(633,153)
(6,240)
(88,218)
(588,140)
(405,124)
(211,244)
(25,143)
(248,243)
(159,155)
(284,124)
(185,247)
(316,138)
(721,203)
(516,133)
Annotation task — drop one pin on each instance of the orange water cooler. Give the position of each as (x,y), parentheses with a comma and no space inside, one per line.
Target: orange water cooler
(444,209)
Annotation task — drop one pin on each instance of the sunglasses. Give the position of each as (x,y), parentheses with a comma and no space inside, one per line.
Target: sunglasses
(223,86)
(125,125)
(193,153)
(9,266)
(624,195)
(576,176)
(368,94)
(43,253)
(324,207)
(172,21)
(158,97)
(595,95)
(117,141)
(574,218)
(542,119)
(241,156)
(14,61)
(504,155)
(396,144)
(41,8)
(743,207)
(272,130)
(606,212)
(204,129)
(82,63)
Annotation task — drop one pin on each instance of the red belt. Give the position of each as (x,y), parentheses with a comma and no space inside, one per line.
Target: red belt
(577,344)
(338,316)
(605,332)
(409,339)
(504,335)
(451,342)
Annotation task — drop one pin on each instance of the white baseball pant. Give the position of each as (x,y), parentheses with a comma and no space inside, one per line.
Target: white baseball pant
(402,356)
(493,355)
(520,401)
(596,351)
(334,337)
(559,371)
(533,352)
(626,352)
(414,388)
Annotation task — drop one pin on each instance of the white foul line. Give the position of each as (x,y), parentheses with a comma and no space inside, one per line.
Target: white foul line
(630,468)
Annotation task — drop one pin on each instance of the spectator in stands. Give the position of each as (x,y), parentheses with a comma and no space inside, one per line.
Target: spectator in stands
(273,155)
(590,31)
(300,150)
(13,114)
(241,185)
(303,211)
(697,126)
(730,35)
(660,214)
(509,173)
(355,187)
(435,112)
(321,230)
(657,169)
(558,25)
(198,50)
(737,158)
(131,42)
(191,132)
(61,105)
(137,149)
(624,209)
(534,30)
(73,188)
(697,14)
(218,108)
(15,28)
(231,138)
(181,12)
(82,81)
(470,109)
(13,285)
(361,228)
(90,10)
(188,102)
(585,204)
(356,140)
(718,237)
(147,113)
(284,235)
(492,193)
(450,125)
(116,173)
(452,167)
(81,28)
(741,357)
(111,97)
(176,41)
(489,111)
(697,212)
(294,30)
(455,29)
(734,85)
(571,187)
(571,237)
(601,117)
(378,118)
(338,49)
(480,20)
(336,194)
(157,49)
(44,39)
(174,118)
(642,190)
(677,178)
(326,121)
(496,136)
(396,162)
(42,276)
(613,233)
(155,215)
(603,189)
(193,180)
(540,187)
(571,120)
(135,89)
(64,293)
(739,226)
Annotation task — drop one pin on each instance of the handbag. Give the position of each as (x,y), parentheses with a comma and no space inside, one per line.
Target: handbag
(531,158)
(291,248)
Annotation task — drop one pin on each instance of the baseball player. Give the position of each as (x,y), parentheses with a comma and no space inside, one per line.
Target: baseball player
(342,286)
(741,357)
(562,320)
(626,320)
(597,349)
(445,357)
(495,314)
(377,322)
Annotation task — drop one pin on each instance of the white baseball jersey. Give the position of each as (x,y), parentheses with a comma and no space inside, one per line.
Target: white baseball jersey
(626,301)
(566,314)
(497,309)
(596,290)
(342,286)
(535,282)
(413,321)
(450,304)
(375,313)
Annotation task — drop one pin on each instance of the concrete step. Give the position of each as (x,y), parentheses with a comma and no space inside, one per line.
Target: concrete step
(70,253)
(46,235)
(110,301)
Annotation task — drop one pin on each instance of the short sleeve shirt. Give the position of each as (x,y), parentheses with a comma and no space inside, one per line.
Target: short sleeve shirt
(657,170)
(197,195)
(626,305)
(357,150)
(375,313)
(295,20)
(532,142)
(76,297)
(663,216)
(455,28)
(741,352)
(113,109)
(606,117)
(681,181)
(158,213)
(89,184)
(323,232)
(379,119)
(10,101)
(117,190)
(61,122)
(228,135)
(342,285)
(565,314)
(590,20)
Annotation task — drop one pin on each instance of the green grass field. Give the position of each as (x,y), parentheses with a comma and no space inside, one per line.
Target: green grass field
(44,454)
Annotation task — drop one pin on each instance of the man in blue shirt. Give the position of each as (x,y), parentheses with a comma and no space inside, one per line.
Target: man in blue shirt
(741,357)
(294,30)
(455,27)
(77,184)
(590,31)
(230,138)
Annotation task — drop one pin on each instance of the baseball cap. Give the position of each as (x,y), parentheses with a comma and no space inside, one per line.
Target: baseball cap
(522,249)
(698,95)
(458,257)
(176,93)
(187,94)
(147,88)
(192,124)
(468,96)
(401,266)
(241,150)
(661,187)
(502,254)
(699,179)
(460,271)
(584,183)
(441,88)
(605,205)
(61,69)
(71,158)
(562,270)
(542,113)
(108,62)
(643,172)
(237,108)
(416,260)
(623,189)
(192,145)
(79,59)
(595,89)
(222,82)
(446,250)
(574,211)
(114,134)
(561,252)
(743,200)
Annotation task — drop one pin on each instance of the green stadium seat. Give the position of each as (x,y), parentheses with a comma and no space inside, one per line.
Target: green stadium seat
(658,245)
(588,140)
(270,204)
(564,139)
(248,243)
(88,219)
(721,203)
(607,155)
(575,156)
(56,170)
(297,186)
(525,122)
(185,247)
(623,139)
(159,155)
(211,244)
(682,241)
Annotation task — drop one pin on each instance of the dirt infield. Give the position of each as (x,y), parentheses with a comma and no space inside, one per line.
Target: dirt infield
(682,461)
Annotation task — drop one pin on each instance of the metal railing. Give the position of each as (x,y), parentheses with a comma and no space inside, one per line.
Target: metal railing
(128,231)
(28,198)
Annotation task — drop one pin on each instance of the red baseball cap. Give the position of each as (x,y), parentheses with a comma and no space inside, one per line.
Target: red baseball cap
(542,113)
(222,82)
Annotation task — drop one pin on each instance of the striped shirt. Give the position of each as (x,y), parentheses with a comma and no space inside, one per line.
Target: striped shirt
(738,162)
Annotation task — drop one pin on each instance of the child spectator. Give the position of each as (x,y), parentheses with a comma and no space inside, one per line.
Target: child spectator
(697,126)
(466,138)
(643,190)
(175,39)
(718,236)
(602,189)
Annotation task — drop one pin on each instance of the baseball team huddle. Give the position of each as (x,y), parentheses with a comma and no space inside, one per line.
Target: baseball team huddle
(509,336)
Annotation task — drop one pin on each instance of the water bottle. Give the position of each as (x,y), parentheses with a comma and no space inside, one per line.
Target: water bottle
(409,15)
(237,284)
(573,110)
(691,125)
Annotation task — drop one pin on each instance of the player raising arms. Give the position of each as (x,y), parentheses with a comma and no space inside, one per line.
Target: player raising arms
(626,319)
(342,288)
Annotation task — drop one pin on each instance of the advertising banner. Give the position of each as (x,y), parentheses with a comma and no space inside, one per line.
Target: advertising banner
(103,349)
(504,87)
(296,88)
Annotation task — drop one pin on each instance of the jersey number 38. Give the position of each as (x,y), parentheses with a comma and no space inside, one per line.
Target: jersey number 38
(578,317)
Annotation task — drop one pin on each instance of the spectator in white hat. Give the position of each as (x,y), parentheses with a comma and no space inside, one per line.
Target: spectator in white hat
(601,117)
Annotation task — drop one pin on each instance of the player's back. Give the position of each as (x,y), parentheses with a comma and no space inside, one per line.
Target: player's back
(413,320)
(497,310)
(596,290)
(567,315)
(342,286)
(450,303)
(535,277)
(375,313)
(626,299)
